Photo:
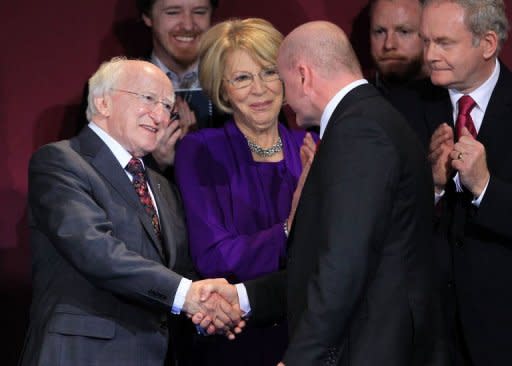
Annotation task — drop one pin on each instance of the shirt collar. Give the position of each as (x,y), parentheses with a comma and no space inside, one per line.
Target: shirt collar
(333,103)
(175,78)
(120,153)
(480,95)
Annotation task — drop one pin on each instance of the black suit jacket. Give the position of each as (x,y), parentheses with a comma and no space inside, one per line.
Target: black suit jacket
(409,99)
(359,286)
(477,245)
(102,282)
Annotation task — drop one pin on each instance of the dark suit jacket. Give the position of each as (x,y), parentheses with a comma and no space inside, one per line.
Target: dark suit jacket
(409,99)
(102,283)
(478,241)
(359,267)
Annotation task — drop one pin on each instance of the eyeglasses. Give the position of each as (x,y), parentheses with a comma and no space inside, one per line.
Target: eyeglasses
(244,79)
(151,100)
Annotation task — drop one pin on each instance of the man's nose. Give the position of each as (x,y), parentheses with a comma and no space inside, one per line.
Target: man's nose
(390,41)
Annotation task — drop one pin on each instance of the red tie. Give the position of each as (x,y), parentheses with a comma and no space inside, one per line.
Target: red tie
(466,104)
(135,168)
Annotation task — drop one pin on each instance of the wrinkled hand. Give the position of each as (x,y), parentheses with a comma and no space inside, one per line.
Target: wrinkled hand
(307,154)
(187,118)
(217,313)
(441,145)
(166,145)
(469,159)
(229,293)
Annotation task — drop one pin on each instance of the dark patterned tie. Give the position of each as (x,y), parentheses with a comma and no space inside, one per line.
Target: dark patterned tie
(466,104)
(136,169)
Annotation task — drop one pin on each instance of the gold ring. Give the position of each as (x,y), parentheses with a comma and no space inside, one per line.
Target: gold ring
(459,157)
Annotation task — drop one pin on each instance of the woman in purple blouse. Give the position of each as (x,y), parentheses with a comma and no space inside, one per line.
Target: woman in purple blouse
(238,181)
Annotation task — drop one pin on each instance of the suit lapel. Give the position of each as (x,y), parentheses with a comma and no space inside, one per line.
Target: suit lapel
(167,215)
(102,159)
(496,126)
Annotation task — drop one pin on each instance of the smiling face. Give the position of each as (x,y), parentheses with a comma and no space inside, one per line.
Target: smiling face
(396,47)
(177,27)
(457,60)
(255,107)
(136,125)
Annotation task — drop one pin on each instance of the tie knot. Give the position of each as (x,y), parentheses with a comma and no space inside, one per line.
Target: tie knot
(135,167)
(466,104)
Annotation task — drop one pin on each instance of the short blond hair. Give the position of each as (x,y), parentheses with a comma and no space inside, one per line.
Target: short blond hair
(255,36)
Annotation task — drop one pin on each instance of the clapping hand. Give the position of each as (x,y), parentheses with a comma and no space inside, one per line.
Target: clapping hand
(441,146)
(469,159)
(166,144)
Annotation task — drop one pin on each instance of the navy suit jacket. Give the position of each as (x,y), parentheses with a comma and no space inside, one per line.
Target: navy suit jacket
(103,285)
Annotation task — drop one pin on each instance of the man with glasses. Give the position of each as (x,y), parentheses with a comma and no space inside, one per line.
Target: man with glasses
(110,255)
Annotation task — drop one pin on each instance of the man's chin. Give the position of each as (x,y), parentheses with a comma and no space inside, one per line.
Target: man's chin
(400,72)
(184,57)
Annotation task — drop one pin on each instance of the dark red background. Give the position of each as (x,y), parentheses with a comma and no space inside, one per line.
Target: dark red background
(50,50)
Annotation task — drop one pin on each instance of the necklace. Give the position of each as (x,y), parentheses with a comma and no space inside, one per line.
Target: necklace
(265,152)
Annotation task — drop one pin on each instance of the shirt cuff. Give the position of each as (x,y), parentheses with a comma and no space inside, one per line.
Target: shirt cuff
(243,299)
(438,196)
(478,200)
(181,294)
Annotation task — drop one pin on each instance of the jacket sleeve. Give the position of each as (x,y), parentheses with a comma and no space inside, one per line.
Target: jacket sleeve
(72,208)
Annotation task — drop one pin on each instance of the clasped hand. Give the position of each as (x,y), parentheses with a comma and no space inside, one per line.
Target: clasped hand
(467,157)
(213,305)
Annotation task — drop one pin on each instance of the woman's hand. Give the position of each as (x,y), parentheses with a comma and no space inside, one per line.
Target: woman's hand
(307,154)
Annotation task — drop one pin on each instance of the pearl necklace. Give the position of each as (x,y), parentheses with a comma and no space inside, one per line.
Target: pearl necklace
(265,152)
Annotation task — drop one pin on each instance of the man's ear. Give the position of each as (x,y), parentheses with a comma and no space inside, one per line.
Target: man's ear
(147,20)
(103,105)
(306,78)
(489,44)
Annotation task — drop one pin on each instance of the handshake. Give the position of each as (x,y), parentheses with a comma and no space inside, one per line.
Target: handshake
(213,305)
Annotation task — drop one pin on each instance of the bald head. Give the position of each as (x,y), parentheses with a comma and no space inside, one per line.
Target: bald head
(323,46)
(315,62)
